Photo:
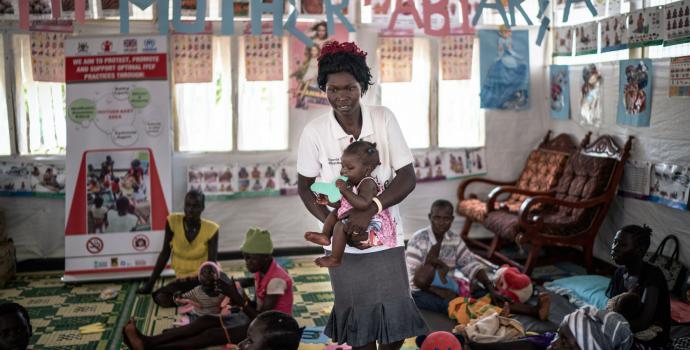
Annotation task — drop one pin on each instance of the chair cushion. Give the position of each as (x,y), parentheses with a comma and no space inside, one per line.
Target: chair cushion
(473,209)
(541,173)
(584,177)
(503,223)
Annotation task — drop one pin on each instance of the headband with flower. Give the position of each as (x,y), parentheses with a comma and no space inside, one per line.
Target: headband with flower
(334,47)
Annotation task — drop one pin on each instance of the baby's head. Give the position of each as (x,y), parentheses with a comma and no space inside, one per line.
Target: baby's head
(15,328)
(209,273)
(628,305)
(272,330)
(98,201)
(359,159)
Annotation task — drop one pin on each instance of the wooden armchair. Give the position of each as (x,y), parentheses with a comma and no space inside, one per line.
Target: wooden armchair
(541,172)
(572,214)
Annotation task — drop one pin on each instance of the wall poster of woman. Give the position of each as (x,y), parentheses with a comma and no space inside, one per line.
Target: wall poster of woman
(504,66)
(590,102)
(304,89)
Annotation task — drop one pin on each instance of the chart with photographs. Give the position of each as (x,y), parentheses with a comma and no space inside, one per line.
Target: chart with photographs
(680,77)
(40,9)
(456,57)
(263,57)
(586,38)
(613,33)
(48,56)
(563,41)
(192,58)
(223,181)
(395,56)
(428,166)
(645,28)
(464,162)
(32,179)
(670,185)
(677,22)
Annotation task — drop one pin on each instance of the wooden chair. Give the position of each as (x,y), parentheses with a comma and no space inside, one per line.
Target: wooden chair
(541,172)
(572,214)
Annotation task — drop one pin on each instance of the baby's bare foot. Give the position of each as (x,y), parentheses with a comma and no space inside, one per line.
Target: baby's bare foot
(327,261)
(317,237)
(544,305)
(132,338)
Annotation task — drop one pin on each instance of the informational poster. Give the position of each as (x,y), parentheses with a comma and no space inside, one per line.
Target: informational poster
(563,41)
(591,87)
(48,56)
(464,162)
(395,57)
(67,8)
(645,27)
(9,9)
(428,166)
(680,77)
(504,67)
(305,91)
(189,8)
(560,92)
(670,185)
(263,57)
(231,181)
(677,22)
(214,180)
(40,9)
(192,58)
(456,57)
(635,92)
(119,150)
(586,38)
(32,179)
(636,177)
(613,33)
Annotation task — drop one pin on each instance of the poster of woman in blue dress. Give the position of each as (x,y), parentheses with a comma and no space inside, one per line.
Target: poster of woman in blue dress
(504,65)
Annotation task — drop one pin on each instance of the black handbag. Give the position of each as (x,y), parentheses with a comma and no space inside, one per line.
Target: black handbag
(674,272)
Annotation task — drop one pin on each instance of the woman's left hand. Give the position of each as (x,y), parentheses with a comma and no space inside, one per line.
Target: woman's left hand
(357,223)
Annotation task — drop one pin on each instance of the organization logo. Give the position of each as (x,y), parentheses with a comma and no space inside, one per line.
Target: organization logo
(94,245)
(150,45)
(130,45)
(140,242)
(83,47)
(106,46)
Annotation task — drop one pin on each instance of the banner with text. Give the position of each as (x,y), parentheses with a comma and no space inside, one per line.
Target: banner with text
(119,151)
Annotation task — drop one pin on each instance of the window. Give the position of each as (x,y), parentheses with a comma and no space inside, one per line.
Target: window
(409,101)
(40,106)
(5,147)
(460,120)
(204,110)
(263,110)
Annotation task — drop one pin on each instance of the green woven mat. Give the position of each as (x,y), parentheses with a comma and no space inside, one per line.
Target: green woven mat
(57,310)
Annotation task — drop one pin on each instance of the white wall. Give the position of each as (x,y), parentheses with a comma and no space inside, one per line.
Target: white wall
(36,225)
(666,140)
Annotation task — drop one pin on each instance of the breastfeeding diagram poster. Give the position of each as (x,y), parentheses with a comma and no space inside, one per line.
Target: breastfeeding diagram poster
(677,22)
(48,56)
(645,28)
(504,67)
(563,41)
(304,89)
(670,185)
(560,92)
(680,77)
(118,165)
(586,39)
(613,33)
(395,57)
(192,58)
(591,86)
(428,166)
(456,57)
(263,57)
(464,162)
(635,92)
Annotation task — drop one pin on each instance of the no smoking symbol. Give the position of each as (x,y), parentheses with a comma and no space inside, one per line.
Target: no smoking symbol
(94,245)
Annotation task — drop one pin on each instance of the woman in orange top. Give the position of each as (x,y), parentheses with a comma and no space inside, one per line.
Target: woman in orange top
(192,241)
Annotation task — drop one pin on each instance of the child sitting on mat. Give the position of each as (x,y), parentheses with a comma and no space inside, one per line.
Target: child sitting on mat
(204,299)
(358,161)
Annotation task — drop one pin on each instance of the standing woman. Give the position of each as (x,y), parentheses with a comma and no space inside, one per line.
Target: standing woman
(192,241)
(371,289)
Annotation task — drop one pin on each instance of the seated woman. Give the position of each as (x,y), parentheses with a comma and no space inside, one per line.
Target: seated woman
(191,240)
(643,279)
(273,288)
